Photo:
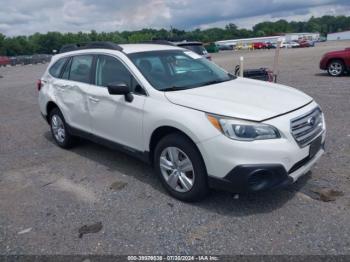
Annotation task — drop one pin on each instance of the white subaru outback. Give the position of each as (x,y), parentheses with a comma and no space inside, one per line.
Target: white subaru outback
(198,125)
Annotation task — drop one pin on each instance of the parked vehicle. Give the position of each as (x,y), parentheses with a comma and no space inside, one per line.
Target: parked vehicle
(244,46)
(40,59)
(199,126)
(270,45)
(305,43)
(196,47)
(211,48)
(4,61)
(24,59)
(337,62)
(312,43)
(259,45)
(263,74)
(225,47)
(292,45)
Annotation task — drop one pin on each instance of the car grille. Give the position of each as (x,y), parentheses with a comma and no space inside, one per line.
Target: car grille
(307,127)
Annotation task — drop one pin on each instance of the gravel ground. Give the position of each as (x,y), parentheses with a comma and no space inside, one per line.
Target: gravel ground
(47,194)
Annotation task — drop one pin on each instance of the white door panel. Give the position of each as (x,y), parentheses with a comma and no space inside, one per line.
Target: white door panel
(115,119)
(71,98)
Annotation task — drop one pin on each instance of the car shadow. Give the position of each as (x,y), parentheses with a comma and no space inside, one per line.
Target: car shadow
(327,75)
(223,203)
(238,205)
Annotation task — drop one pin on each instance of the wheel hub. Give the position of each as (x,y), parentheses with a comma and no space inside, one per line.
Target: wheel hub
(58,128)
(177,169)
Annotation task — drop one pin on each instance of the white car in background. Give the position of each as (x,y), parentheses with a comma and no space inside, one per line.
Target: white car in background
(199,126)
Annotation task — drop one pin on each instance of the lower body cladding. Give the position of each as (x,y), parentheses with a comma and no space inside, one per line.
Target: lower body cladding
(240,166)
(252,178)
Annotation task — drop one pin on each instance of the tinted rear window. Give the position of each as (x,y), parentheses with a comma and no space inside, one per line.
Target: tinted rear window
(55,70)
(199,49)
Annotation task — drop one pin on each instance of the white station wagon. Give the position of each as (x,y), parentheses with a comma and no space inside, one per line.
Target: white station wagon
(198,125)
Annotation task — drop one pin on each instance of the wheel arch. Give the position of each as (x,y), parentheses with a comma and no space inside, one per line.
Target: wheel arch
(161,132)
(49,106)
(330,60)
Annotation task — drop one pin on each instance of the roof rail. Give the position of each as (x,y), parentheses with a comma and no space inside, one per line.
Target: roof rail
(90,45)
(159,42)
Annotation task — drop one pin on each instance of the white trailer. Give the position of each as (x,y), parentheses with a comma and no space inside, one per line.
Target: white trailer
(345,35)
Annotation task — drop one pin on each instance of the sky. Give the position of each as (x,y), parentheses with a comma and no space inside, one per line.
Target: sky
(25,17)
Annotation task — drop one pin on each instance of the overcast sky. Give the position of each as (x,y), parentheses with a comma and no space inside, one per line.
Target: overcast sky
(19,17)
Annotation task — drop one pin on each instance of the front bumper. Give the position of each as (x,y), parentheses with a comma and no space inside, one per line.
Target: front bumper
(252,178)
(241,166)
(323,63)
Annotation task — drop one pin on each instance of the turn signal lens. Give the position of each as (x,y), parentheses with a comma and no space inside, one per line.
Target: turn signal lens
(214,122)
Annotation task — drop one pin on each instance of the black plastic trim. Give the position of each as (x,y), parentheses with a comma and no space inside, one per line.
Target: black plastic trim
(252,178)
(304,161)
(90,45)
(143,156)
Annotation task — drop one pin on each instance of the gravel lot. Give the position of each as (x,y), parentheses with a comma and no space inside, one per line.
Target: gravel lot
(50,193)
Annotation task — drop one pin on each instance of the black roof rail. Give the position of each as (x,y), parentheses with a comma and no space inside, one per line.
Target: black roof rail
(159,42)
(90,45)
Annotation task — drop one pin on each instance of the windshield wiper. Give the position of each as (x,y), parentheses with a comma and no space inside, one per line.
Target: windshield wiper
(173,88)
(218,81)
(212,82)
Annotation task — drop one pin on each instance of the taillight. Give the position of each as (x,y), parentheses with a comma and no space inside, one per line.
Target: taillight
(39,84)
(209,57)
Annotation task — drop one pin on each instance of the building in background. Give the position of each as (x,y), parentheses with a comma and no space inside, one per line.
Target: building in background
(302,36)
(345,35)
(234,42)
(284,38)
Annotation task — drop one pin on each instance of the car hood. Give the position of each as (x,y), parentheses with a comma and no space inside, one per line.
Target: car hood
(241,98)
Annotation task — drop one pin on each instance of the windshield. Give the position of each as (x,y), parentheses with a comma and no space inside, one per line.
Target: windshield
(178,70)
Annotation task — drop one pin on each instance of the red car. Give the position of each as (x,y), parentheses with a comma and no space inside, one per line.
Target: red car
(336,63)
(4,61)
(259,45)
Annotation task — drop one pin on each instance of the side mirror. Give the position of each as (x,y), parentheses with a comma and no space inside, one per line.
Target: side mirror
(120,88)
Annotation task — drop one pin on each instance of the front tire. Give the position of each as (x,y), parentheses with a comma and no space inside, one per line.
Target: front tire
(336,68)
(59,130)
(180,167)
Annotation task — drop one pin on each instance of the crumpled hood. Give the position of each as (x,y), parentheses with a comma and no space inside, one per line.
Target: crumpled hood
(242,98)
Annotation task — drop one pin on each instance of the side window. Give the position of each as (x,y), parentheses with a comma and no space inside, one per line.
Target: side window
(55,70)
(110,69)
(66,70)
(80,68)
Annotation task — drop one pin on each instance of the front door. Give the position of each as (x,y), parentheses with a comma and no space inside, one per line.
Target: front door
(112,117)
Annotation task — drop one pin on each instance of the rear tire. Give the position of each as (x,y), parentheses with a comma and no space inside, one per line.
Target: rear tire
(181,168)
(336,68)
(59,130)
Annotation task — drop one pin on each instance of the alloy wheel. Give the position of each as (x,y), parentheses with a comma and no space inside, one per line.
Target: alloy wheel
(177,169)
(335,68)
(58,128)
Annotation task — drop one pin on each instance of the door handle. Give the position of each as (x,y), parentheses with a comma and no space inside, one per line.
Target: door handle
(95,100)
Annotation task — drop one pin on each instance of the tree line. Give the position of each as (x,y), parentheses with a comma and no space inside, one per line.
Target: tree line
(46,43)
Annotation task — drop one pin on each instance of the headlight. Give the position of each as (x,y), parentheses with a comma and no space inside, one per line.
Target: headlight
(243,130)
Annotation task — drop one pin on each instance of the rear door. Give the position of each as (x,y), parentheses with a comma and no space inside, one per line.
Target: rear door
(72,91)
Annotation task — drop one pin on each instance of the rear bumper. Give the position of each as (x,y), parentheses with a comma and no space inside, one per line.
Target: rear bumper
(253,178)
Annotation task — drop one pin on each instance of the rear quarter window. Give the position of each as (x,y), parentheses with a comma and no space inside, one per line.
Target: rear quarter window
(56,68)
